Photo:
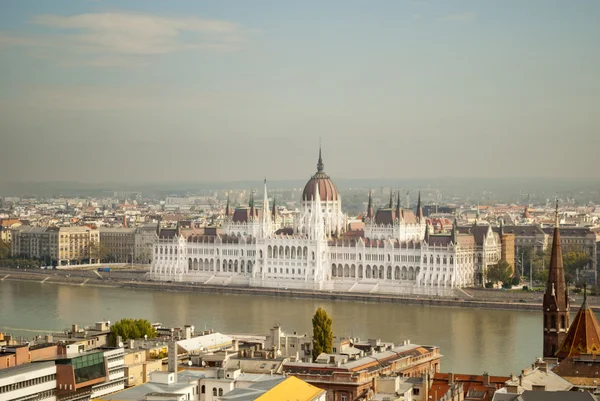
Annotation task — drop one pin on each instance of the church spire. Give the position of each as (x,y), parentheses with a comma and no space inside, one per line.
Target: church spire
(320,166)
(453,236)
(251,203)
(556,298)
(391,198)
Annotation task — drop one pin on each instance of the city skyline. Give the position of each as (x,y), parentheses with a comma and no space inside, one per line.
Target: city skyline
(106,91)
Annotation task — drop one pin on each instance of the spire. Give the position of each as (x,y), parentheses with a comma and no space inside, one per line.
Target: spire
(419,209)
(370,206)
(556,221)
(274,211)
(556,300)
(320,165)
(427,233)
(251,205)
(454,231)
(227,207)
(158,226)
(178,229)
(391,199)
(398,208)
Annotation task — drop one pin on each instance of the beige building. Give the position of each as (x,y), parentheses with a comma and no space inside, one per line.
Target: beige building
(6,227)
(53,245)
(138,367)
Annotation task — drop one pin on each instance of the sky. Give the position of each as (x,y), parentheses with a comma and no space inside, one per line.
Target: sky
(224,90)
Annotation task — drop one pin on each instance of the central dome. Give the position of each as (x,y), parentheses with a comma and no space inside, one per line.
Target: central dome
(327,190)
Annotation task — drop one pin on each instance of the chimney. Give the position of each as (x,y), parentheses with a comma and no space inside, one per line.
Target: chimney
(450,378)
(188,332)
(74,328)
(486,379)
(172,358)
(49,338)
(124,221)
(425,380)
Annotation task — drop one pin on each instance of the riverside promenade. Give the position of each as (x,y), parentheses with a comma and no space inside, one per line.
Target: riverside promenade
(136,279)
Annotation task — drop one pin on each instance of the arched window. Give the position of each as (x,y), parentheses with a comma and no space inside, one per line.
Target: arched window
(214,391)
(313,255)
(220,391)
(203,389)
(562,322)
(546,321)
(260,254)
(553,322)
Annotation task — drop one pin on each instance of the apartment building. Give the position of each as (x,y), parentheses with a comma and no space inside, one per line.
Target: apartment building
(61,246)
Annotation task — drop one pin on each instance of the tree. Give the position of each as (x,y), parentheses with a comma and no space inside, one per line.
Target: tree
(4,250)
(130,329)
(322,334)
(500,272)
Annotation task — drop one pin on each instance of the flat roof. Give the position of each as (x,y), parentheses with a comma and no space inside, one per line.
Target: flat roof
(25,368)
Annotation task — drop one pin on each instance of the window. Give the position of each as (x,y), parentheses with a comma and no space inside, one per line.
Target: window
(220,391)
(203,389)
(214,391)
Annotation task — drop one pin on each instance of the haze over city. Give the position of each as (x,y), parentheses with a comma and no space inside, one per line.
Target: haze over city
(129,91)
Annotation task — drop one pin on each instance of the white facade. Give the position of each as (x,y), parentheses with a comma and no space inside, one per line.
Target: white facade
(35,381)
(115,361)
(396,254)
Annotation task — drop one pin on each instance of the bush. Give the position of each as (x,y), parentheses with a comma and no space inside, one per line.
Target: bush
(489,285)
(507,285)
(577,290)
(516,280)
(525,288)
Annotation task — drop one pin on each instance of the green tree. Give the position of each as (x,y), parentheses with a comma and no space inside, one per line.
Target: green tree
(131,329)
(322,333)
(500,272)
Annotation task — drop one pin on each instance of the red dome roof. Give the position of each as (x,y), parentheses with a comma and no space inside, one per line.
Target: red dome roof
(327,190)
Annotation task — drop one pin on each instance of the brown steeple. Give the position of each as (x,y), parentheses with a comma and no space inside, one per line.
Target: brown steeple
(274,211)
(419,209)
(556,299)
(398,208)
(583,336)
(370,213)
(227,208)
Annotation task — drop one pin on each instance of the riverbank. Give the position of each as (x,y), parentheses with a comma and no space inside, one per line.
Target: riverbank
(135,279)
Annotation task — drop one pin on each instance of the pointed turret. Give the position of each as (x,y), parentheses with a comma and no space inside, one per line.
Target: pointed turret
(158,226)
(320,166)
(427,233)
(251,204)
(398,208)
(227,207)
(583,336)
(556,299)
(274,212)
(454,231)
(370,212)
(265,209)
(391,199)
(419,209)
(178,229)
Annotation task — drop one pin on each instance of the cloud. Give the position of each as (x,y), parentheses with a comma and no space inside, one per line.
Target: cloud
(459,17)
(101,38)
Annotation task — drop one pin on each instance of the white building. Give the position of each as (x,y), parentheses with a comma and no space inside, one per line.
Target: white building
(31,381)
(115,361)
(395,254)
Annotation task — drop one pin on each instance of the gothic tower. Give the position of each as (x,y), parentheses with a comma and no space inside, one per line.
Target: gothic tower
(556,299)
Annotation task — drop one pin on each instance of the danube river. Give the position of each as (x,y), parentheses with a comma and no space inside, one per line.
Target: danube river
(471,340)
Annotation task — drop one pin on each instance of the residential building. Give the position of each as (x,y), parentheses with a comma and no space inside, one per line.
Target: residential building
(350,374)
(6,227)
(16,355)
(537,395)
(458,387)
(138,367)
(117,244)
(277,389)
(145,238)
(32,381)
(60,246)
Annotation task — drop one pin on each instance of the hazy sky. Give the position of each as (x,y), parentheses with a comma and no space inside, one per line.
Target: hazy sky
(157,90)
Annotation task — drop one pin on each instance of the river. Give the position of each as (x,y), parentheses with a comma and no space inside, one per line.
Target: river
(472,340)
